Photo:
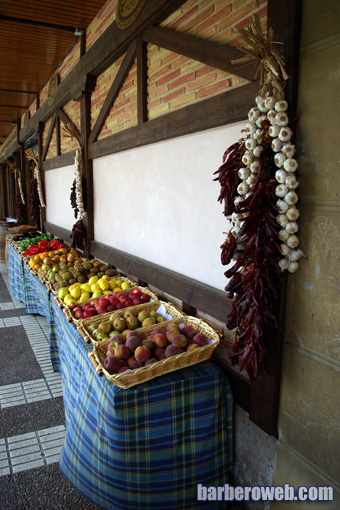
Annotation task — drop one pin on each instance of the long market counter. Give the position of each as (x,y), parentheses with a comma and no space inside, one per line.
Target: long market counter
(143,447)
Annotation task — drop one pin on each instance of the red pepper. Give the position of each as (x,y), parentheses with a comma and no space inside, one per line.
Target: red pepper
(43,242)
(53,244)
(60,245)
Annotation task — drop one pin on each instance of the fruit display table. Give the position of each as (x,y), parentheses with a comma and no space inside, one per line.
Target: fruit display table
(146,447)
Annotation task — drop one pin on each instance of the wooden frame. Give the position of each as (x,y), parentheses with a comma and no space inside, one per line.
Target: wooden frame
(259,399)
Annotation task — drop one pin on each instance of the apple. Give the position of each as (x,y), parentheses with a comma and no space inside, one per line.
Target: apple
(112,364)
(101,310)
(103,302)
(136,301)
(145,298)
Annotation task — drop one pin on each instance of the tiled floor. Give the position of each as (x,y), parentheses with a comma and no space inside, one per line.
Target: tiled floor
(32,422)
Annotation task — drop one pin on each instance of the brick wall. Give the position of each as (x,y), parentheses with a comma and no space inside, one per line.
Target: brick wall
(174,81)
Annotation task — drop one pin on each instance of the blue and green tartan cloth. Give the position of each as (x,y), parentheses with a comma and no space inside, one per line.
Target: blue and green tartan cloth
(146,447)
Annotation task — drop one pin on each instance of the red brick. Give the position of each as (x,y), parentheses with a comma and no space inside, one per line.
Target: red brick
(182,79)
(185,16)
(201,82)
(175,93)
(159,72)
(196,21)
(168,77)
(223,13)
(213,89)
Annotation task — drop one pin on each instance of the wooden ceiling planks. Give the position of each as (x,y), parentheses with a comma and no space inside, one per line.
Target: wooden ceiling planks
(35,36)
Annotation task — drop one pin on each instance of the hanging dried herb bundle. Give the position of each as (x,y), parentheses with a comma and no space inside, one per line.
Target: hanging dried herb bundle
(35,202)
(78,235)
(19,207)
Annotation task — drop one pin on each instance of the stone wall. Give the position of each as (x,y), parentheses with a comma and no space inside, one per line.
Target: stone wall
(309,423)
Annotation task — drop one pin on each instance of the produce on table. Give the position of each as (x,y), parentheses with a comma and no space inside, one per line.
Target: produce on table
(71,268)
(130,351)
(109,302)
(130,320)
(32,239)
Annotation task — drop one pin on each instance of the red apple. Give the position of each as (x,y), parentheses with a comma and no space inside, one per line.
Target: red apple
(103,303)
(136,301)
(144,298)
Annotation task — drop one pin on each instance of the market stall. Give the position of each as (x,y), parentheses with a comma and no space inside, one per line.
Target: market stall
(147,446)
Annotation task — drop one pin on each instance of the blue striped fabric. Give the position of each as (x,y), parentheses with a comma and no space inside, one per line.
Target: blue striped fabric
(37,298)
(16,274)
(146,447)
(142,448)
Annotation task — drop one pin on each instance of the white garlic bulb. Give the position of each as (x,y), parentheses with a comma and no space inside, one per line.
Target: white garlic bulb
(250,144)
(290,165)
(259,121)
(279,159)
(254,167)
(281,106)
(284,249)
(292,241)
(281,119)
(291,182)
(295,255)
(258,99)
(243,173)
(262,106)
(291,197)
(292,227)
(282,206)
(270,102)
(247,158)
(281,191)
(293,213)
(238,200)
(251,180)
(242,188)
(271,115)
(276,145)
(288,150)
(257,151)
(285,134)
(280,176)
(293,267)
(250,128)
(274,131)
(253,114)
(283,235)
(282,220)
(283,264)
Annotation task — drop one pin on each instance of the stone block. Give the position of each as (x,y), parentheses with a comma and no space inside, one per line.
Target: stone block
(310,409)
(293,469)
(313,298)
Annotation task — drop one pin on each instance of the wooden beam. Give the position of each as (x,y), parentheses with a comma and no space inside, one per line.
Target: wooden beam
(49,137)
(117,84)
(87,171)
(142,81)
(59,161)
(226,108)
(202,50)
(66,120)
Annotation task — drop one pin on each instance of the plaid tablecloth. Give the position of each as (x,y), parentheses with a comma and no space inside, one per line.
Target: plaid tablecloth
(16,274)
(143,448)
(146,447)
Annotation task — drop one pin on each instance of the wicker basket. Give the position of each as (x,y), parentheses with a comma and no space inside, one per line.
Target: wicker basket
(70,317)
(167,310)
(146,373)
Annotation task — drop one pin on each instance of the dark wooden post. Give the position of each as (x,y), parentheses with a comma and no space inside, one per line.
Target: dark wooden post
(85,130)
(42,177)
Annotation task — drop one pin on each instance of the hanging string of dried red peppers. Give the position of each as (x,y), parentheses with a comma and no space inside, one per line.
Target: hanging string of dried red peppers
(257,188)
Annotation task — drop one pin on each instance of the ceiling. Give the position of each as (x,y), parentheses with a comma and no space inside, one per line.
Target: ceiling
(35,35)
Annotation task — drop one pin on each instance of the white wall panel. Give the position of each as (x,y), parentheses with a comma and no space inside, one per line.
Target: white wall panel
(58,185)
(159,202)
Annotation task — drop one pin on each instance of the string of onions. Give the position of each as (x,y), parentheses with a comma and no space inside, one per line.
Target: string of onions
(78,183)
